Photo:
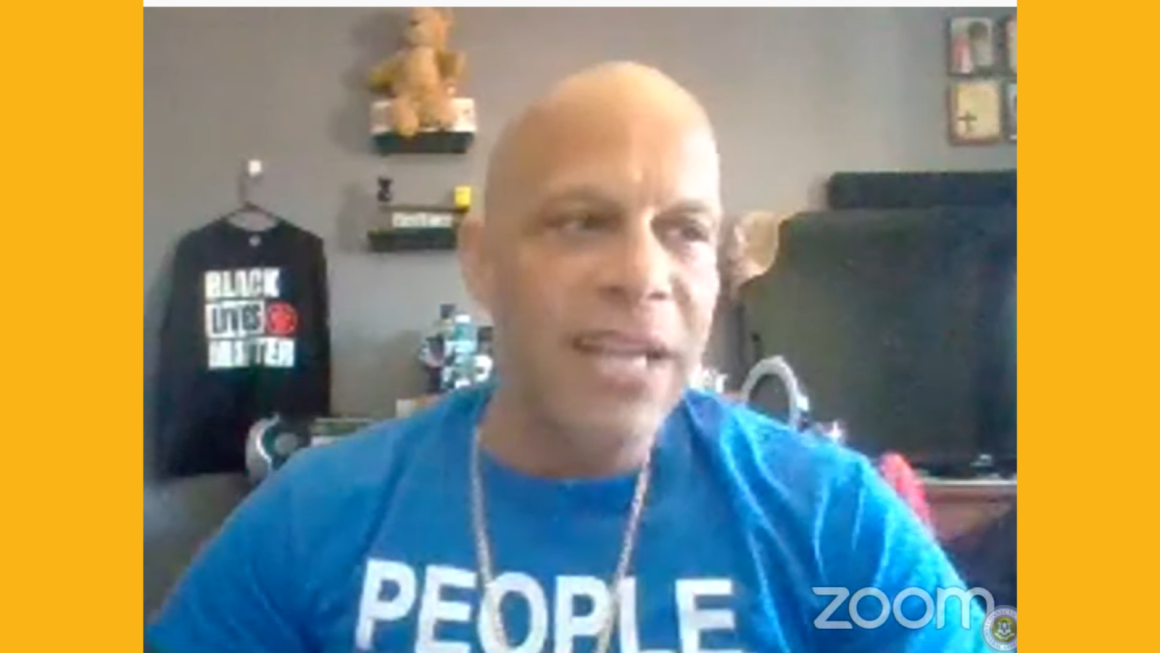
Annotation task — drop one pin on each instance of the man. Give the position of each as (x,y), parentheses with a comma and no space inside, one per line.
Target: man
(499,519)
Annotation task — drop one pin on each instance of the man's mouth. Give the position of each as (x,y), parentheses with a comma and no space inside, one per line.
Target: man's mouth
(625,350)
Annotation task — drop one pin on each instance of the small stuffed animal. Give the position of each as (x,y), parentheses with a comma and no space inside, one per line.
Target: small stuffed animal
(750,247)
(421,78)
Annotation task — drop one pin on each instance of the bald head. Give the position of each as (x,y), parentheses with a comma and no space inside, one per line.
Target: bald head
(617,103)
(596,257)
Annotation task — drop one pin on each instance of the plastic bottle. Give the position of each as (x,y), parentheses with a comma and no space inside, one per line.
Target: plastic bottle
(461,351)
(484,363)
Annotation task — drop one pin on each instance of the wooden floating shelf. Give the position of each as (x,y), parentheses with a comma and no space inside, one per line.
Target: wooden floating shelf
(388,143)
(456,140)
(409,235)
(412,240)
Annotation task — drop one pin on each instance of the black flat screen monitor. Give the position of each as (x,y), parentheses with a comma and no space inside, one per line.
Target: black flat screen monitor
(900,323)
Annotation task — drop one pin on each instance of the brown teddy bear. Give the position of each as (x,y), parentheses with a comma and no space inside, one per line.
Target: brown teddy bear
(750,247)
(421,77)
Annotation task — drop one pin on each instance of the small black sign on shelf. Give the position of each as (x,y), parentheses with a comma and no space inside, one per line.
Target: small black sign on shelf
(416,228)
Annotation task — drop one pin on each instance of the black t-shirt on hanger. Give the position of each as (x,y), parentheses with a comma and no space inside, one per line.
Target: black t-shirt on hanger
(246,335)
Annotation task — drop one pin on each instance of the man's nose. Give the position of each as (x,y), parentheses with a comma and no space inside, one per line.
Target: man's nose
(638,268)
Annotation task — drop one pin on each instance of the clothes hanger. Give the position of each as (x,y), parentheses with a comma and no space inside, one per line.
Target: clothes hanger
(250,215)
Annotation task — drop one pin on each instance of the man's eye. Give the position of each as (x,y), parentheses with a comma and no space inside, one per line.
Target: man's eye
(581,223)
(691,231)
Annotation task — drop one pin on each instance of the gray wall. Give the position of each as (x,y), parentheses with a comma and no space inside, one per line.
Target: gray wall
(796,94)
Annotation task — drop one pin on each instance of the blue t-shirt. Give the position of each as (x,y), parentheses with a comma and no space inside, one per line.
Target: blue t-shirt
(367,545)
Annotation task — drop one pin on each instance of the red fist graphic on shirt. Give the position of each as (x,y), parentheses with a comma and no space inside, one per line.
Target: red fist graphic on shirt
(281,319)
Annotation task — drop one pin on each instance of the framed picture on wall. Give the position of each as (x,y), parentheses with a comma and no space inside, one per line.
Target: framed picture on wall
(976,112)
(1009,105)
(973,45)
(1009,42)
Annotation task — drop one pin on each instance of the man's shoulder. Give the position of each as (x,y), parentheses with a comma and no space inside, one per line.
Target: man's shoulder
(372,457)
(763,449)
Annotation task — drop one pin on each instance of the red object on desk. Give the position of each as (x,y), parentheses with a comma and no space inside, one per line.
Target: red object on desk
(901,476)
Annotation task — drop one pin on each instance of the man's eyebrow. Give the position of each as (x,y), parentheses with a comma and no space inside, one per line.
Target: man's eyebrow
(691,207)
(584,193)
(601,198)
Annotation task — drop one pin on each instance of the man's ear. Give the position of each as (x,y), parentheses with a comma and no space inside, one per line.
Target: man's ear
(474,260)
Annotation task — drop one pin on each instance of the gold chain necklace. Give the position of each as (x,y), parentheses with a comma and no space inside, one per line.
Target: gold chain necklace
(485,558)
